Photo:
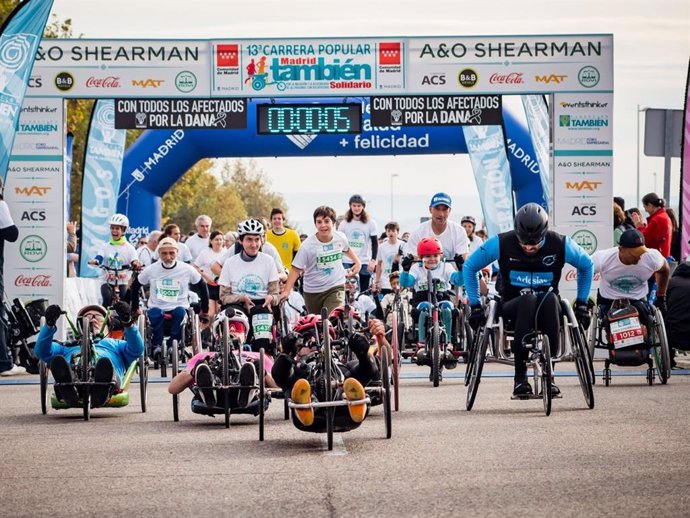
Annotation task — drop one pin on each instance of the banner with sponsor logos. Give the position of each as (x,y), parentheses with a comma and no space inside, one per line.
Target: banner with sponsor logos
(537,113)
(510,64)
(69,149)
(447,110)
(583,172)
(307,67)
(21,35)
(35,263)
(486,147)
(105,148)
(180,113)
(121,68)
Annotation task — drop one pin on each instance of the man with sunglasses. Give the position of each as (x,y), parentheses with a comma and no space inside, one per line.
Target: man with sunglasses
(530,260)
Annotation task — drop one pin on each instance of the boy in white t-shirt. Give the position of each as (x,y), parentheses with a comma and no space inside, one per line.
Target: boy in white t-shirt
(320,261)
(388,255)
(362,236)
(625,271)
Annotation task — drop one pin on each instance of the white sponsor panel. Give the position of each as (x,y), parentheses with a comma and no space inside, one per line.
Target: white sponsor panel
(334,67)
(35,263)
(510,64)
(591,239)
(121,68)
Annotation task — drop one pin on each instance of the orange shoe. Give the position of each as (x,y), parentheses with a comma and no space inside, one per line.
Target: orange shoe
(301,394)
(354,391)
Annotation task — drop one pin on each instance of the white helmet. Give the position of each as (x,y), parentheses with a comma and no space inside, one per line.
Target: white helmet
(250,227)
(119,220)
(232,315)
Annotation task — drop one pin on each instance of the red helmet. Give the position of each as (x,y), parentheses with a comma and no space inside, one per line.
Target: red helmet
(339,313)
(429,246)
(311,323)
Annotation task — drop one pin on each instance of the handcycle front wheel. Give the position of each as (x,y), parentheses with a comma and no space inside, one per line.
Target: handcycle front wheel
(262,393)
(546,374)
(477,365)
(328,378)
(176,397)
(436,353)
(386,389)
(395,339)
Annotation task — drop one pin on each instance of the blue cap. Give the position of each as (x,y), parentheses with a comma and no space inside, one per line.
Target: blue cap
(440,198)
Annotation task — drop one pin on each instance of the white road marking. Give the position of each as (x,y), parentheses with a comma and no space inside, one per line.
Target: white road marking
(338,445)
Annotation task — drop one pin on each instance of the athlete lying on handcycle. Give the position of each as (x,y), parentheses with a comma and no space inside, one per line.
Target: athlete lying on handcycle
(296,372)
(112,356)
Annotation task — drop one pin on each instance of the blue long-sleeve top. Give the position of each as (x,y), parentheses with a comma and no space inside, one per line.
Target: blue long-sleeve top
(490,252)
(120,352)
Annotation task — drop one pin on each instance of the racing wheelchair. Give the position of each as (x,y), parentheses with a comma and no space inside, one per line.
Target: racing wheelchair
(326,379)
(179,352)
(84,368)
(225,363)
(491,341)
(630,341)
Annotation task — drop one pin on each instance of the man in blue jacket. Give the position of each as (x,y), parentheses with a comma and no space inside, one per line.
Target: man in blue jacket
(112,356)
(530,260)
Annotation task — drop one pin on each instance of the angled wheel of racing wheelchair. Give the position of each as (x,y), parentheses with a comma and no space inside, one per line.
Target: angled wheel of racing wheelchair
(85,361)
(662,353)
(43,377)
(477,355)
(386,391)
(327,377)
(581,355)
(175,370)
(395,346)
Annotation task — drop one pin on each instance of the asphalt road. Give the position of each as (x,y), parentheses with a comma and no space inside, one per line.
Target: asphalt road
(629,456)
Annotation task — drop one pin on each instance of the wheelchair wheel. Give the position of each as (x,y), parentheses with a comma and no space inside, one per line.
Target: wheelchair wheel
(164,359)
(176,397)
(436,351)
(395,342)
(225,351)
(328,377)
(386,388)
(662,353)
(592,332)
(262,393)
(582,364)
(143,367)
(479,354)
(470,358)
(43,376)
(546,373)
(85,363)
(196,334)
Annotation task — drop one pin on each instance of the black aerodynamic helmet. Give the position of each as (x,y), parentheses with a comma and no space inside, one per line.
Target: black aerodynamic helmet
(531,224)
(357,198)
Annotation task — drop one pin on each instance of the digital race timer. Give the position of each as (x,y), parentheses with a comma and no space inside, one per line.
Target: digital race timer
(291,119)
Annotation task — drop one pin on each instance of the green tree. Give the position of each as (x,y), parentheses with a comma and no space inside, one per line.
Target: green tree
(200,192)
(253,187)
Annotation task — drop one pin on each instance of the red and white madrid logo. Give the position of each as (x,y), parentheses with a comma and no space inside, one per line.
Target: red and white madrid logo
(389,53)
(40,280)
(228,55)
(103,82)
(513,78)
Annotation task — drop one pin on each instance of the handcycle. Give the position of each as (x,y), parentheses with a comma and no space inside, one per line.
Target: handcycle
(84,367)
(23,322)
(630,342)
(539,359)
(326,378)
(225,363)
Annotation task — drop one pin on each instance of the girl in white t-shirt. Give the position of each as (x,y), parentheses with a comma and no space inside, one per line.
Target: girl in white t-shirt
(203,263)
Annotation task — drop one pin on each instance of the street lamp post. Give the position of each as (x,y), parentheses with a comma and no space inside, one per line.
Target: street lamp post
(393,175)
(639,110)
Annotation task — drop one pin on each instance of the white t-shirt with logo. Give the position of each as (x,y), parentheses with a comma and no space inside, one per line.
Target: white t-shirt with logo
(249,277)
(625,281)
(453,239)
(359,237)
(386,254)
(117,256)
(183,253)
(440,276)
(206,258)
(196,245)
(322,263)
(169,287)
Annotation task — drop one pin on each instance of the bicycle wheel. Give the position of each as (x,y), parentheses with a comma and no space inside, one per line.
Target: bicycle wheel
(143,382)
(176,397)
(85,363)
(262,393)
(386,387)
(546,374)
(582,364)
(164,358)
(43,376)
(395,341)
(479,355)
(436,351)
(662,354)
(327,375)
(226,352)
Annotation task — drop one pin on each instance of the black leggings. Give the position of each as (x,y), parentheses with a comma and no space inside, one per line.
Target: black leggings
(107,294)
(520,312)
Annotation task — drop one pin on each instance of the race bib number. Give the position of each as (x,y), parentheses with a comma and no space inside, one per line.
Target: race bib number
(168,290)
(262,326)
(326,261)
(626,332)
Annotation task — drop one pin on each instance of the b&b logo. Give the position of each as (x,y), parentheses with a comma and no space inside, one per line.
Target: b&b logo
(434,79)
(33,248)
(64,81)
(33,215)
(468,78)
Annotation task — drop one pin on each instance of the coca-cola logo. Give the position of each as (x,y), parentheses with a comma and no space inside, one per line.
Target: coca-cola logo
(514,78)
(103,82)
(41,280)
(571,276)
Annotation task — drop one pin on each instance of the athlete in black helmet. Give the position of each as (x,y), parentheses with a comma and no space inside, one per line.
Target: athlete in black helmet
(530,260)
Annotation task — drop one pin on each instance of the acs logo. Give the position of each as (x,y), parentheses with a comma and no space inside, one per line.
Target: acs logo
(33,215)
(434,79)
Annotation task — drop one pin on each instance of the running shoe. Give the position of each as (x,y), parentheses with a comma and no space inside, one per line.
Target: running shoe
(103,377)
(62,374)
(354,391)
(204,381)
(248,378)
(301,395)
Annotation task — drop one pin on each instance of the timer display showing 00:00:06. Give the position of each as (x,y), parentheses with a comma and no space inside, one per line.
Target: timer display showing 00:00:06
(291,119)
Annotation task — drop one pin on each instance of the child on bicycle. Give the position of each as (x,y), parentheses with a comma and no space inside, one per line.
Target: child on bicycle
(443,275)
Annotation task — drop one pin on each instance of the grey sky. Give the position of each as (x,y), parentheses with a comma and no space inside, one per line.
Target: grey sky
(651,48)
